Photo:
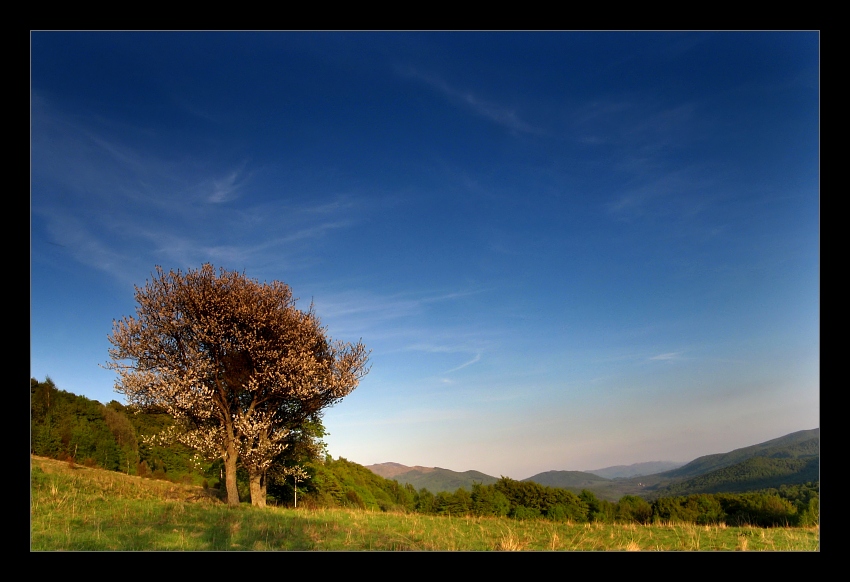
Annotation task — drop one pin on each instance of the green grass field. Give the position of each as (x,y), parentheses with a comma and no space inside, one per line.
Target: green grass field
(91,509)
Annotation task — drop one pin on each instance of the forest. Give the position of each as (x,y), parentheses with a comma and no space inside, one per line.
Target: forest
(78,430)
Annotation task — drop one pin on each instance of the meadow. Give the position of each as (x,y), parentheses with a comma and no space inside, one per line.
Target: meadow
(80,508)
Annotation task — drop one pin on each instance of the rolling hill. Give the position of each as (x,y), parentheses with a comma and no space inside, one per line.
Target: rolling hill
(567,479)
(801,444)
(753,474)
(635,470)
(434,479)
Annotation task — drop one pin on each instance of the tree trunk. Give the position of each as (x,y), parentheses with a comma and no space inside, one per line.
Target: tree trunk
(258,489)
(230,476)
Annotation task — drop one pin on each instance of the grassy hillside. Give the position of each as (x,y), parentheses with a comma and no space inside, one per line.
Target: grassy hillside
(91,509)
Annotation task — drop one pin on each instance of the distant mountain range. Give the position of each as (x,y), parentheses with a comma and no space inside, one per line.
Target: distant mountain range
(636,470)
(567,479)
(789,460)
(433,479)
(436,479)
(804,443)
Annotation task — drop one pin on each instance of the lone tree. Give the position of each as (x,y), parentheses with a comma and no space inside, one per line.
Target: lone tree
(234,361)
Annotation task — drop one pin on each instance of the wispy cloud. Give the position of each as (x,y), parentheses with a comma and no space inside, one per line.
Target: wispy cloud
(115,200)
(367,305)
(408,417)
(253,242)
(371,305)
(226,188)
(683,194)
(668,356)
(86,248)
(499,114)
(477,358)
(648,139)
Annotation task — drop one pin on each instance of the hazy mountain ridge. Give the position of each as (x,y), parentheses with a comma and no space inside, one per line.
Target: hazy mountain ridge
(790,459)
(434,479)
(796,444)
(752,474)
(391,470)
(636,469)
(567,479)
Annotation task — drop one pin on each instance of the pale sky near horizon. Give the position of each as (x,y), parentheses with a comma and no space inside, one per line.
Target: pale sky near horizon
(565,250)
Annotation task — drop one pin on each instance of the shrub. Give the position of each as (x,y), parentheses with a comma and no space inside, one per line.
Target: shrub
(632,508)
(142,469)
(354,499)
(522,512)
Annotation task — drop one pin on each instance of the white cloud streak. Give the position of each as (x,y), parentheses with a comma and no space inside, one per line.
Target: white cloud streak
(667,356)
(498,114)
(225,189)
(116,204)
(477,358)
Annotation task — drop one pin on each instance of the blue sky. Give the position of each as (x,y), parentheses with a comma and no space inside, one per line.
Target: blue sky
(565,250)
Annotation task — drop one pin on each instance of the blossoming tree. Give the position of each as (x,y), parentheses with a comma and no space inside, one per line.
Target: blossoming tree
(235,361)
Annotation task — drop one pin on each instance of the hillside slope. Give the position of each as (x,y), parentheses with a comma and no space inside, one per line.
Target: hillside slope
(804,443)
(751,475)
(567,479)
(636,469)
(434,479)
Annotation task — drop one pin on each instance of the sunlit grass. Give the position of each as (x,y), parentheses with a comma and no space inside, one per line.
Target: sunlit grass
(90,509)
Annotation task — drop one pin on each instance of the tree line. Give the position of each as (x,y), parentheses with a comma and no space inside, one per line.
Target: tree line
(341,483)
(120,438)
(73,428)
(69,427)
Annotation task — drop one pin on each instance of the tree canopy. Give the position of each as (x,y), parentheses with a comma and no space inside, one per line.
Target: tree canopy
(234,361)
